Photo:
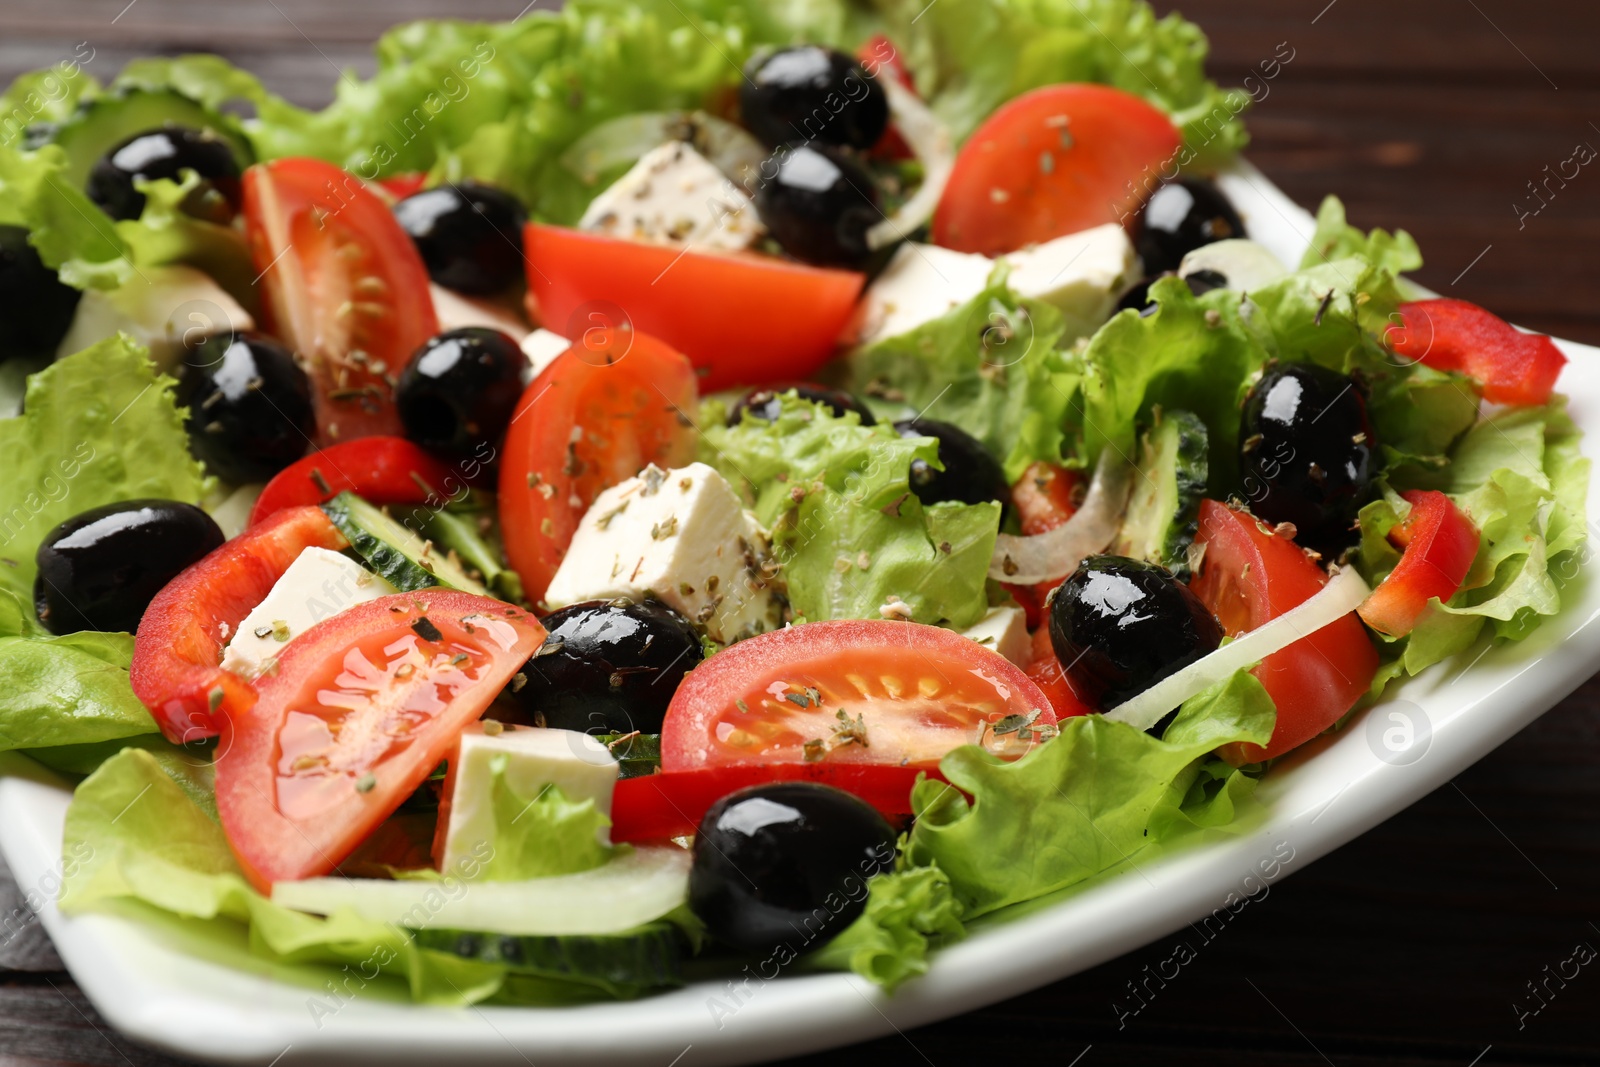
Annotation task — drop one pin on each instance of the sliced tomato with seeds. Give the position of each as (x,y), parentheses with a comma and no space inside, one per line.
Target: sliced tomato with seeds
(361,709)
(345,287)
(598,414)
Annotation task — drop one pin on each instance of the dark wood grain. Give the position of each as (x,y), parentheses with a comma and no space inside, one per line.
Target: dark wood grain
(1411,945)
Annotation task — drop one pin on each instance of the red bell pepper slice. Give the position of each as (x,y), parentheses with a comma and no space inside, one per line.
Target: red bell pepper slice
(179,645)
(1440,544)
(1512,367)
(383,470)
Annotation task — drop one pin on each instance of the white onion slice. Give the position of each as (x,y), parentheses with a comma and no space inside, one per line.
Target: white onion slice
(930,140)
(1057,553)
(730,148)
(1333,602)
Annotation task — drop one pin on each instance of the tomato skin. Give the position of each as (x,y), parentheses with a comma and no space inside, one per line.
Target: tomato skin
(634,411)
(384,470)
(919,689)
(1314,681)
(1045,497)
(742,318)
(400,186)
(1440,544)
(341,277)
(394,743)
(1512,367)
(1106,151)
(671,804)
(1047,674)
(179,645)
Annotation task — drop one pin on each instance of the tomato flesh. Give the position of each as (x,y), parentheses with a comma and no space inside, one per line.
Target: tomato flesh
(179,645)
(383,470)
(1053,161)
(344,286)
(848,692)
(742,318)
(594,417)
(361,709)
(1512,367)
(1440,544)
(1248,576)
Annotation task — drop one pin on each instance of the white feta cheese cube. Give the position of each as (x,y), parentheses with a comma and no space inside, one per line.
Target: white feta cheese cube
(1081,274)
(1004,630)
(455,311)
(159,307)
(674,195)
(921,283)
(581,767)
(542,347)
(318,585)
(681,536)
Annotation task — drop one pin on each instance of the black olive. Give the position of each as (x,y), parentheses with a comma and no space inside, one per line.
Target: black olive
(1306,452)
(609,667)
(99,570)
(819,204)
(765,404)
(469,234)
(1204,280)
(36,307)
(970,476)
(166,153)
(1121,625)
(1180,217)
(249,404)
(811,93)
(786,863)
(460,389)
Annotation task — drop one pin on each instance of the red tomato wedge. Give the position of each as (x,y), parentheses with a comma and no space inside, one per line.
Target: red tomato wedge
(1051,162)
(401,186)
(877,693)
(1248,576)
(1045,497)
(671,804)
(597,415)
(1512,367)
(1440,544)
(345,287)
(179,645)
(742,318)
(384,470)
(362,708)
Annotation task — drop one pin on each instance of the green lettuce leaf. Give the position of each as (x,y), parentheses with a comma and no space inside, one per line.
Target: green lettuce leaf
(542,836)
(1085,801)
(990,367)
(908,914)
(1335,239)
(70,233)
(846,528)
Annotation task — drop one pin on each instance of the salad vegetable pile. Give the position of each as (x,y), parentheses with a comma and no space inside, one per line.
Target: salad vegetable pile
(655,487)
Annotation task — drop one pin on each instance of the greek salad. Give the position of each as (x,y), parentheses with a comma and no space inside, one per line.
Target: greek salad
(649,490)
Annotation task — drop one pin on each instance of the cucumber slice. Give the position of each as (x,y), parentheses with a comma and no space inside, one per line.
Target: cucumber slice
(460,531)
(634,888)
(107,120)
(1163,513)
(623,965)
(637,756)
(398,555)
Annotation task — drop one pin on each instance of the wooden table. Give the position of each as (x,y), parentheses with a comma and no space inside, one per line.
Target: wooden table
(1415,944)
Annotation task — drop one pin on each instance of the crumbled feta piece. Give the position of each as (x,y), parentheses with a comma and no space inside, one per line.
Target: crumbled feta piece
(318,585)
(1004,630)
(674,195)
(542,347)
(455,310)
(921,283)
(160,307)
(581,767)
(683,537)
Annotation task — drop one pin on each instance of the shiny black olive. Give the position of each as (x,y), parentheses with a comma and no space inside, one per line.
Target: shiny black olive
(1181,216)
(249,405)
(609,666)
(1306,452)
(36,308)
(460,389)
(1204,280)
(470,235)
(99,570)
(811,93)
(1121,625)
(765,404)
(970,476)
(166,153)
(819,204)
(786,863)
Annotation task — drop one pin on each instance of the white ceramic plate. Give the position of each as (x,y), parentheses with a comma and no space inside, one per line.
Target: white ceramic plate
(1329,792)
